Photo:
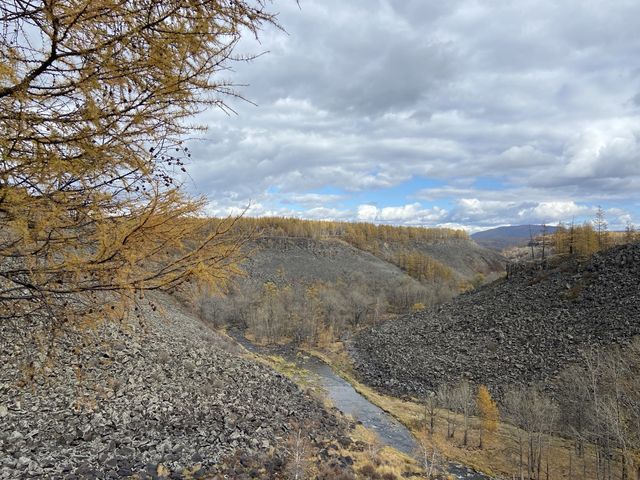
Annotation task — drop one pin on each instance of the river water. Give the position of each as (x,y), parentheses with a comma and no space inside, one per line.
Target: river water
(346,399)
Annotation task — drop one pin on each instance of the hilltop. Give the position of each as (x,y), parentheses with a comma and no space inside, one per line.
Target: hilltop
(500,238)
(522,330)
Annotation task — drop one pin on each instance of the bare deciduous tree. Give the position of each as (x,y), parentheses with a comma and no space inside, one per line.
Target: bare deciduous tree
(535,414)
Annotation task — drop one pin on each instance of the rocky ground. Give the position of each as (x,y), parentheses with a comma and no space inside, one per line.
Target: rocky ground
(295,259)
(330,259)
(150,399)
(465,257)
(521,330)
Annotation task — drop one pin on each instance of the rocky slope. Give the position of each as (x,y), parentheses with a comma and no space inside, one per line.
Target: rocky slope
(465,257)
(147,398)
(308,260)
(330,259)
(521,330)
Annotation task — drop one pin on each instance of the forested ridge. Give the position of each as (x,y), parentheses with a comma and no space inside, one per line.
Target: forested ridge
(361,234)
(316,281)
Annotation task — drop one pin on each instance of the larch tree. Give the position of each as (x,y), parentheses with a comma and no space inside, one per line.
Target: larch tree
(488,411)
(545,241)
(430,412)
(95,97)
(601,227)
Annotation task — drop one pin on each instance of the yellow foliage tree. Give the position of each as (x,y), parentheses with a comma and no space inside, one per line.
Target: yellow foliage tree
(423,267)
(94,99)
(580,240)
(488,410)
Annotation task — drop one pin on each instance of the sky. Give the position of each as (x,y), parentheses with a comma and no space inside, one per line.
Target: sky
(462,113)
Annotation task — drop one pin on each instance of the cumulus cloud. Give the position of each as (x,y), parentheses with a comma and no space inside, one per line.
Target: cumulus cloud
(412,214)
(540,97)
(491,212)
(605,150)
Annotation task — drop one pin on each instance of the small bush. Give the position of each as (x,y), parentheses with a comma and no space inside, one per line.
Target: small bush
(335,472)
(369,472)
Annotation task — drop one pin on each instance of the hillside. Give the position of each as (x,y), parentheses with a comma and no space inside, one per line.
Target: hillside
(307,260)
(163,394)
(462,255)
(522,330)
(311,283)
(510,236)
(285,239)
(331,259)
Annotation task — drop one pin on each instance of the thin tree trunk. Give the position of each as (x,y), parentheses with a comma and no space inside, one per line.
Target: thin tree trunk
(520,444)
(539,456)
(570,463)
(531,463)
(547,466)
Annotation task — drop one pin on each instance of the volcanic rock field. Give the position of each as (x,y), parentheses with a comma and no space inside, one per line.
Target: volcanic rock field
(520,330)
(146,399)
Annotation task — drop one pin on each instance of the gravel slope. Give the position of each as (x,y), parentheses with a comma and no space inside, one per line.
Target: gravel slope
(307,260)
(135,397)
(332,259)
(518,331)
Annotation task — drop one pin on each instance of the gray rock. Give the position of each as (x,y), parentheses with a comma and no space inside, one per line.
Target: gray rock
(132,411)
(533,323)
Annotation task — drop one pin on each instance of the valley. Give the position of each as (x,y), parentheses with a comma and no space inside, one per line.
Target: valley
(375,362)
(524,337)
(353,339)
(319,240)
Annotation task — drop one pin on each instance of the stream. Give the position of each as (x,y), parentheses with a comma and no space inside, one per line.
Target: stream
(344,397)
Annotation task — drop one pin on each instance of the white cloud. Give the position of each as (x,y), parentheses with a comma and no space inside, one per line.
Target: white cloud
(412,214)
(605,150)
(312,199)
(534,95)
(494,212)
(552,212)
(367,213)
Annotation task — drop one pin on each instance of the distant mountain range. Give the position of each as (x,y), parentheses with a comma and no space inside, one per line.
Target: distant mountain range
(503,237)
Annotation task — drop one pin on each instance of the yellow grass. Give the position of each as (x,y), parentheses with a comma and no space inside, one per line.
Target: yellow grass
(384,458)
(365,447)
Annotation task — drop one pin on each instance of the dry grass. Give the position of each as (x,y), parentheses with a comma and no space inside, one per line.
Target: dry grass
(365,448)
(384,459)
(498,457)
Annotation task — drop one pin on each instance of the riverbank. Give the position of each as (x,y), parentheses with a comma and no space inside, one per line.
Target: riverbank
(405,453)
(499,456)
(411,413)
(375,449)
